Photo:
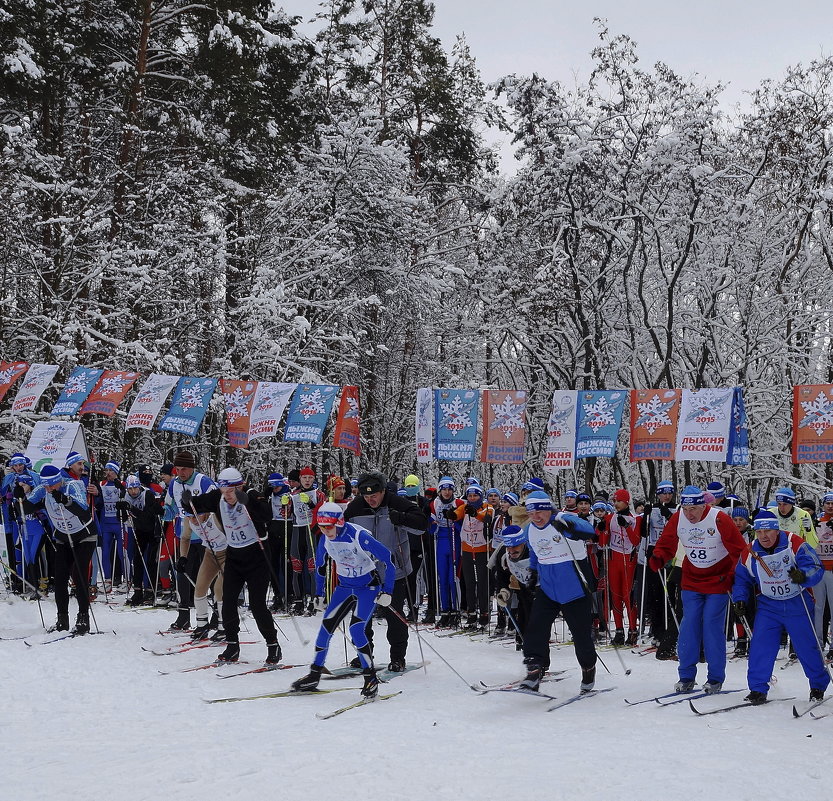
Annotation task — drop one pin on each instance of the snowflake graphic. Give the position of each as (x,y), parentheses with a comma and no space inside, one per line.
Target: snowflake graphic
(77,382)
(708,407)
(818,414)
(352,408)
(457,415)
(51,439)
(558,423)
(237,404)
(152,391)
(36,375)
(7,374)
(599,414)
(509,416)
(311,404)
(424,409)
(113,385)
(192,397)
(653,414)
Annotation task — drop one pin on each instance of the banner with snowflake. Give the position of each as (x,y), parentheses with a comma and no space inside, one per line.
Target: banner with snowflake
(561,431)
(271,398)
(455,424)
(655,414)
(109,392)
(812,423)
(738,451)
(189,405)
(599,421)
(38,377)
(703,430)
(309,412)
(149,402)
(51,442)
(504,426)
(424,428)
(75,391)
(9,373)
(346,434)
(238,397)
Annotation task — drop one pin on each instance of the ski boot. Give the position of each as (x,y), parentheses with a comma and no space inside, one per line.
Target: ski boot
(214,621)
(137,599)
(741,648)
(588,679)
(632,637)
(182,622)
(309,682)
(61,624)
(683,686)
(396,666)
(370,689)
(200,632)
(273,653)
(816,694)
(534,672)
(755,698)
(82,624)
(619,637)
(429,618)
(219,635)
(232,652)
(712,687)
(483,622)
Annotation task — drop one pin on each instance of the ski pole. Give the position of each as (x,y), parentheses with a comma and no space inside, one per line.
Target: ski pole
(513,622)
(24,535)
(746,627)
(669,605)
(815,636)
(411,606)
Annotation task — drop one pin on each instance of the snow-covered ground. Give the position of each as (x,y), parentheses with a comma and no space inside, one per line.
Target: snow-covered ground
(92,717)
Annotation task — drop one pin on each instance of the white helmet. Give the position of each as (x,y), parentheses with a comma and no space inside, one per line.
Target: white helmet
(330,514)
(230,477)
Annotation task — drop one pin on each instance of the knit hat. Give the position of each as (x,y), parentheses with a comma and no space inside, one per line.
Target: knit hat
(513,535)
(354,482)
(335,481)
(276,480)
(49,475)
(471,480)
(599,506)
(717,489)
(330,514)
(784,495)
(766,520)
(402,493)
(571,493)
(293,475)
(167,469)
(622,495)
(185,459)
(73,457)
(533,485)
(132,482)
(475,488)
(511,498)
(827,498)
(446,482)
(708,498)
(537,501)
(741,511)
(306,471)
(114,466)
(492,491)
(16,459)
(692,496)
(665,486)
(583,496)
(230,477)
(411,481)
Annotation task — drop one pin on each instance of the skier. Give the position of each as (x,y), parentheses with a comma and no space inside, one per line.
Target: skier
(393,521)
(66,504)
(355,553)
(112,545)
(305,499)
(740,516)
(11,492)
(559,558)
(280,530)
(475,518)
(244,518)
(446,531)
(777,568)
(712,545)
(793,518)
(618,533)
(143,510)
(823,591)
(514,579)
(663,630)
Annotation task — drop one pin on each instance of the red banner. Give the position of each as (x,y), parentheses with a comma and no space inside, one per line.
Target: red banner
(108,392)
(504,426)
(655,414)
(9,373)
(346,433)
(238,396)
(813,423)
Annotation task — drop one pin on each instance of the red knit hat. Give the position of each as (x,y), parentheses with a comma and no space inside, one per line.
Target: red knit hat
(622,495)
(306,471)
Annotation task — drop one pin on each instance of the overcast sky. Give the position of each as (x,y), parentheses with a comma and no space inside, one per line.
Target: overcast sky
(739,43)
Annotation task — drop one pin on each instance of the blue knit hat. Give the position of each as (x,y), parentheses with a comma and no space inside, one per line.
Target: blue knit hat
(276,480)
(475,488)
(533,485)
(741,511)
(492,491)
(665,486)
(571,493)
(49,474)
(537,501)
(72,458)
(513,535)
(692,496)
(766,520)
(511,498)
(599,506)
(132,482)
(445,482)
(717,489)
(784,495)
(114,466)
(827,498)
(16,459)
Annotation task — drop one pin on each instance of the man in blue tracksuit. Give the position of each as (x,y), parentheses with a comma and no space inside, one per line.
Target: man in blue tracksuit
(558,555)
(776,568)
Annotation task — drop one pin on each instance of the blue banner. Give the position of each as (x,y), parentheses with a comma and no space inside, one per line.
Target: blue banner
(78,386)
(600,417)
(190,403)
(738,452)
(455,424)
(309,412)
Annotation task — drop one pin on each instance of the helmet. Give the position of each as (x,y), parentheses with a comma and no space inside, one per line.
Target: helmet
(230,477)
(330,514)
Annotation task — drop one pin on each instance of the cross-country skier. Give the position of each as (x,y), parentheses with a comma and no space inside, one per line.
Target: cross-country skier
(305,500)
(143,510)
(355,553)
(446,531)
(824,589)
(777,568)
(514,579)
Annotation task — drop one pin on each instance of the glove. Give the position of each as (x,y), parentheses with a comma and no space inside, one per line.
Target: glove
(503,597)
(187,498)
(623,521)
(19,492)
(319,603)
(383,599)
(119,485)
(322,570)
(60,497)
(560,525)
(396,517)
(123,506)
(285,499)
(303,497)
(601,525)
(656,563)
(181,563)
(797,575)
(450,514)
(740,608)
(533,580)
(665,511)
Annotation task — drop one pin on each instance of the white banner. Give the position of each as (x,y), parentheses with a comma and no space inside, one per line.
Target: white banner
(703,431)
(150,400)
(268,406)
(38,377)
(51,441)
(561,432)
(424,425)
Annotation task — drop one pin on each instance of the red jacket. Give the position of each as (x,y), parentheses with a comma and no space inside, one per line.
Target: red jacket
(712,580)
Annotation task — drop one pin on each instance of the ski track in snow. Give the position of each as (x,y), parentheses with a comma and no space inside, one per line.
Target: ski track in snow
(91,717)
